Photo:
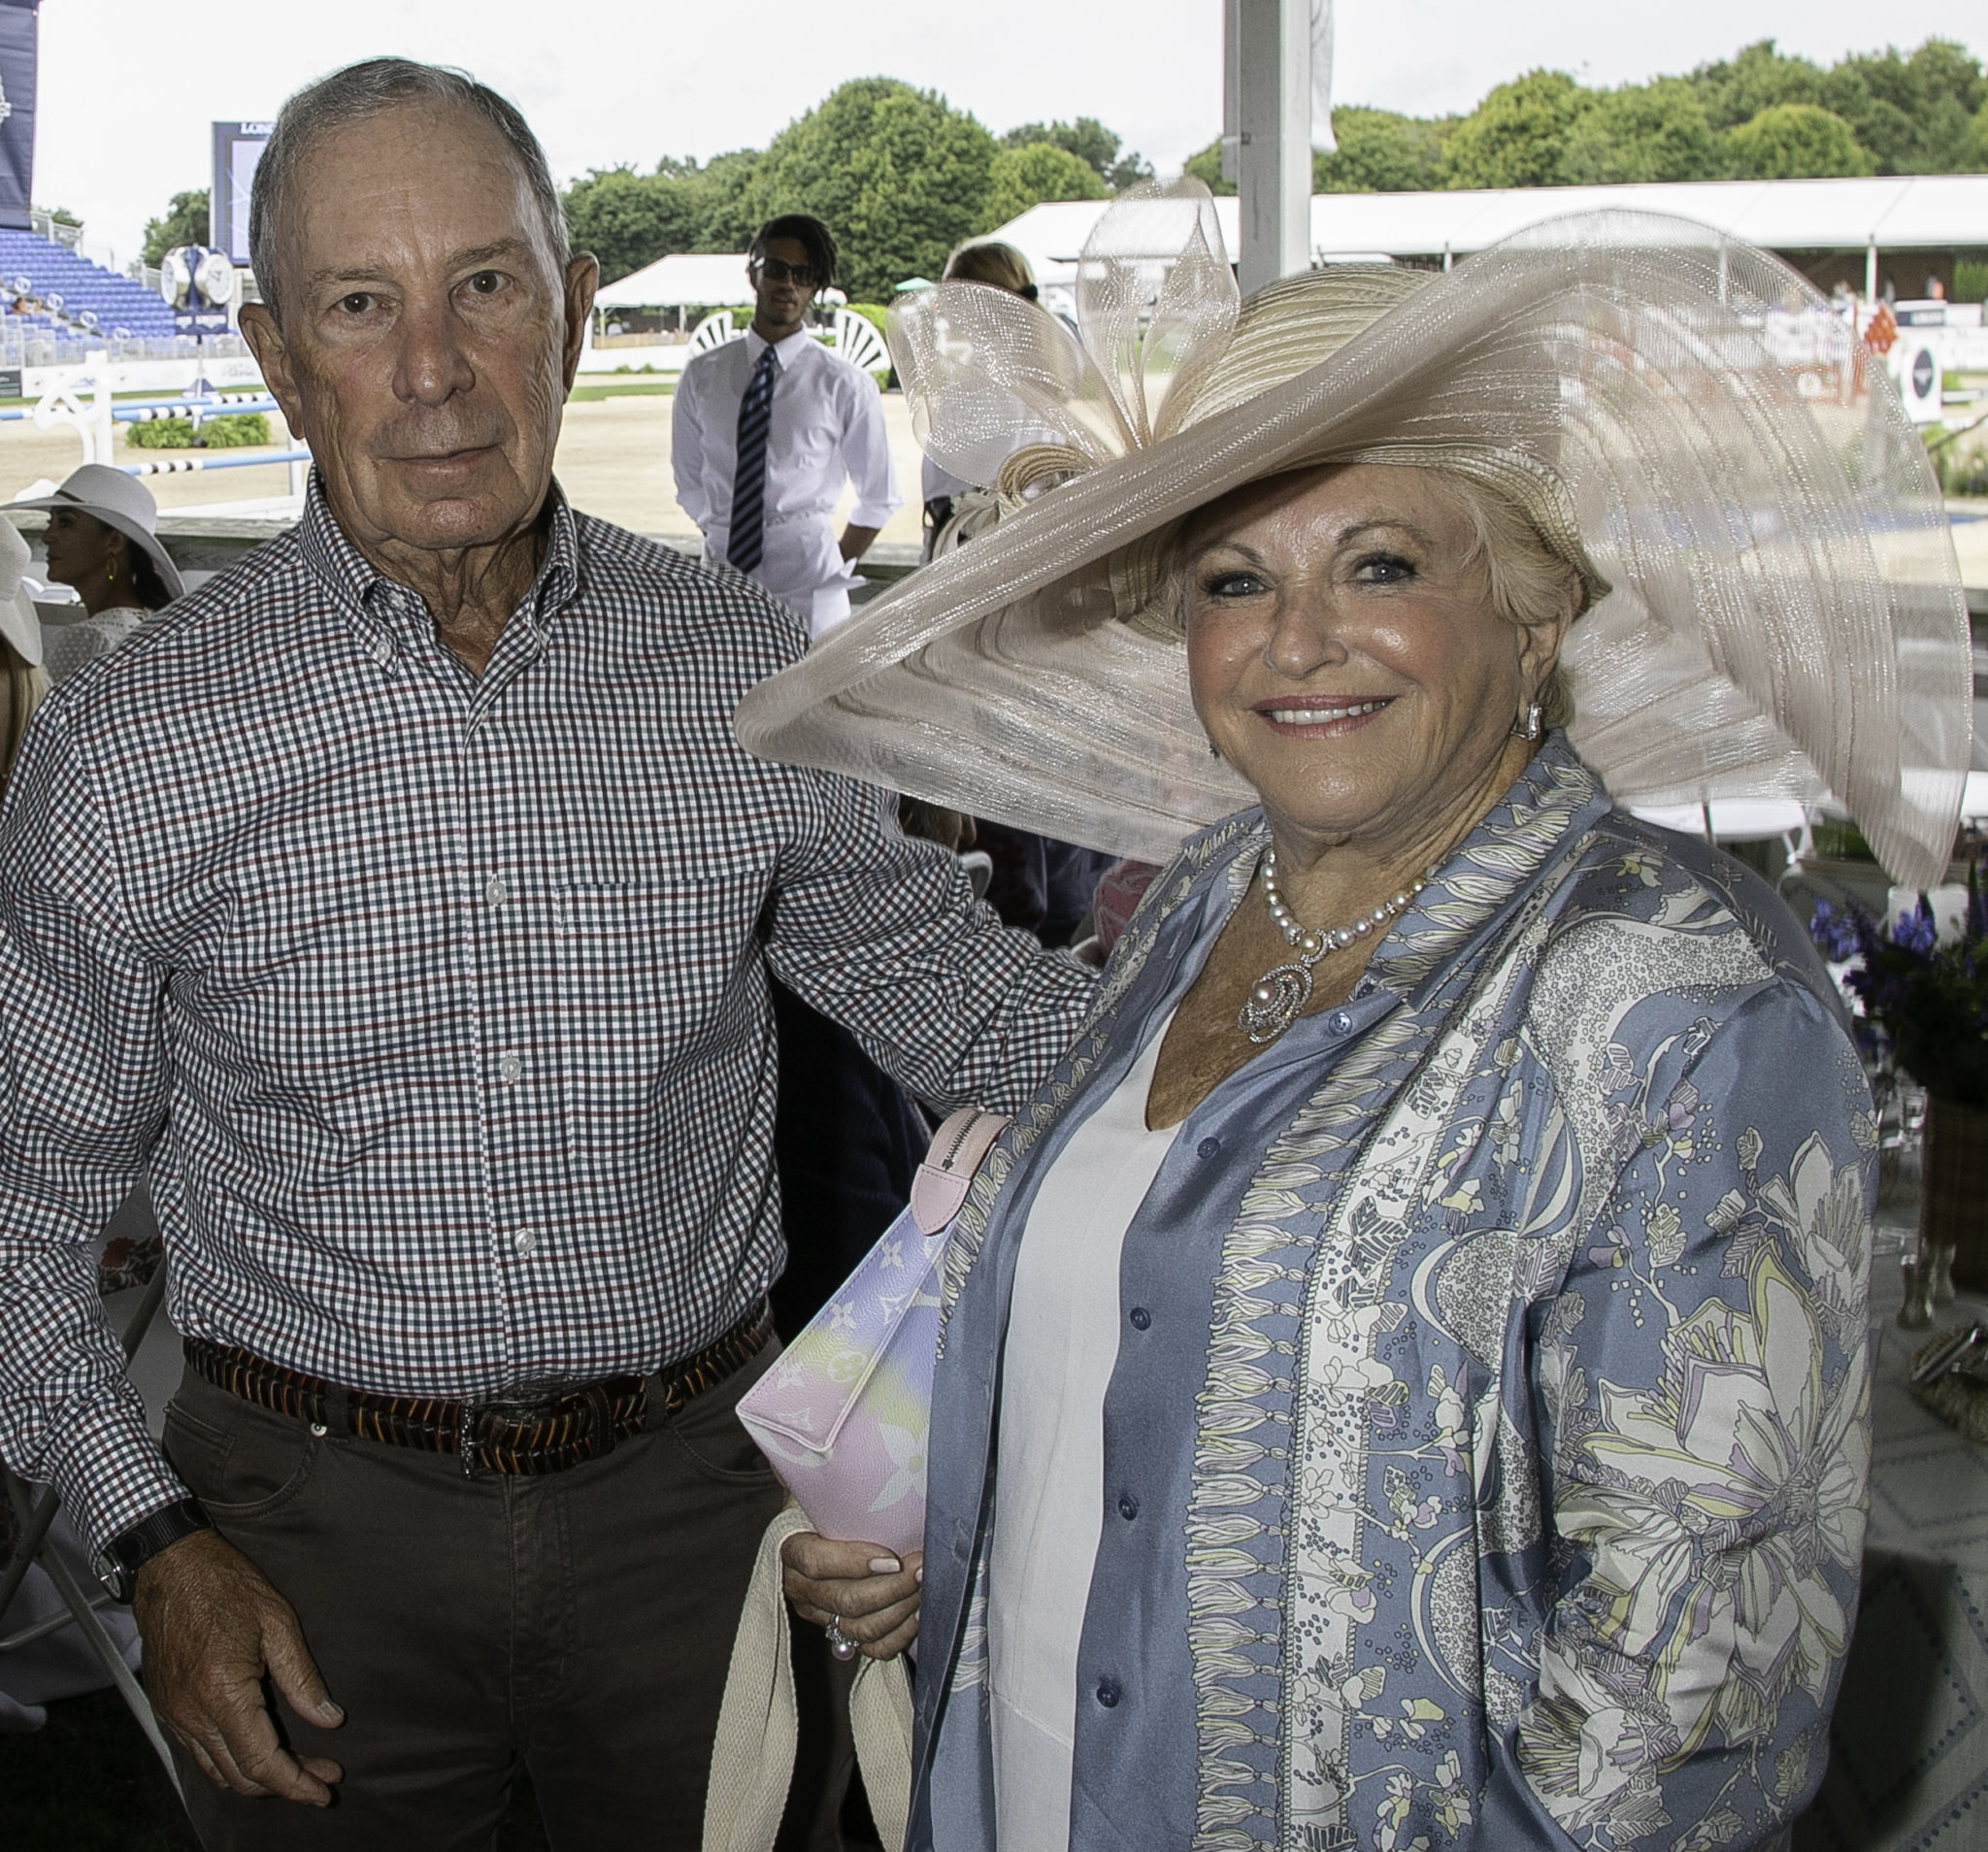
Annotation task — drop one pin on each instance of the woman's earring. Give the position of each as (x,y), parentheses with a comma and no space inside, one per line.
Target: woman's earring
(1531,726)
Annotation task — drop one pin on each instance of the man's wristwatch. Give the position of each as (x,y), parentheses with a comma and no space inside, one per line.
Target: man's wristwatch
(117,1564)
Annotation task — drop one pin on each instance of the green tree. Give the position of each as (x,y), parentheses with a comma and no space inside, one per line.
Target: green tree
(186,222)
(1643,132)
(1018,178)
(726,214)
(1734,91)
(1206,165)
(1912,114)
(1795,141)
(1513,137)
(628,219)
(1379,152)
(1092,142)
(898,174)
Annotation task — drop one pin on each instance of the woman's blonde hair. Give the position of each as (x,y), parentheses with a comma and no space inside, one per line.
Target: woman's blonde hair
(1530,582)
(989,261)
(27,684)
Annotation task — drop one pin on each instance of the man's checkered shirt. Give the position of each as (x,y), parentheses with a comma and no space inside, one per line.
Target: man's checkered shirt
(437,1006)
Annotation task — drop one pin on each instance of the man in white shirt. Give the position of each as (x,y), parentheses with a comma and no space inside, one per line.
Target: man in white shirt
(764,431)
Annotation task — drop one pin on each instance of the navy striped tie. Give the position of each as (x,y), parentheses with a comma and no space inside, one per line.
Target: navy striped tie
(748,538)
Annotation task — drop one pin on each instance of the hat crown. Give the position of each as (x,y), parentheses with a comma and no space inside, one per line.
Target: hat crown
(98,486)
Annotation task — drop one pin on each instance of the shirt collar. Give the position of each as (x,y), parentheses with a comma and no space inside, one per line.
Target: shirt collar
(1548,809)
(365,593)
(786,348)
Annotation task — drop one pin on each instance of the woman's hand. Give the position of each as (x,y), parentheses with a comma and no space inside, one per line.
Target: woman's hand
(868,1592)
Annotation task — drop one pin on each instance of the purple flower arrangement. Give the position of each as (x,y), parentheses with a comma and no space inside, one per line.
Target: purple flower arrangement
(1927,999)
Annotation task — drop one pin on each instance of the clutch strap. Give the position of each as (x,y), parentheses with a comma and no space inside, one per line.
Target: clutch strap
(947,1169)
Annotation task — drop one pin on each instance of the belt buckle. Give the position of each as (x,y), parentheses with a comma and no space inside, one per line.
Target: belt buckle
(525,1398)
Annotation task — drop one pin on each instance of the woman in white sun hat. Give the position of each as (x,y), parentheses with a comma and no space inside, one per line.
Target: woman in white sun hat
(102,541)
(1403,1382)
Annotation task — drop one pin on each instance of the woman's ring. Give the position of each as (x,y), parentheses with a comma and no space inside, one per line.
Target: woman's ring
(839,1642)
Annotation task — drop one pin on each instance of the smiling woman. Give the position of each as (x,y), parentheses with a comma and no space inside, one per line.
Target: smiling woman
(1323,1446)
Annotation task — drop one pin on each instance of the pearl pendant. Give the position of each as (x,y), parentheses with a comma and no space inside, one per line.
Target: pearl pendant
(1276,998)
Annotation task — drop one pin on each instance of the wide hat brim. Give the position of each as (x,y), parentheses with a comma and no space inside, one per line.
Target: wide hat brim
(1785,615)
(19,622)
(138,535)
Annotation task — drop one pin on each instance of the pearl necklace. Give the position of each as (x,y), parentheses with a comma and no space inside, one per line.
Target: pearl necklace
(1276,998)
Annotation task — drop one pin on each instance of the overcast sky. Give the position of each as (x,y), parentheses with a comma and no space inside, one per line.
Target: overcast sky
(129,86)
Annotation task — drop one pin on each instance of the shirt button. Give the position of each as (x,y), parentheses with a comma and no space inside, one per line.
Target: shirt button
(1141,1318)
(509,1067)
(382,651)
(1128,1507)
(1107,1693)
(1207,1148)
(524,1240)
(1341,1023)
(496,889)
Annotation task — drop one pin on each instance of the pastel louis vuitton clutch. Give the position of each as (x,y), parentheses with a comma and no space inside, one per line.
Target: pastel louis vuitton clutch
(843,1412)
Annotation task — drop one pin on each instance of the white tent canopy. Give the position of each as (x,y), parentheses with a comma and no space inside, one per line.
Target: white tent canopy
(1929,211)
(687,281)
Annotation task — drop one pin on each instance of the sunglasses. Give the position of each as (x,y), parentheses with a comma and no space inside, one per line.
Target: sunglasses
(803,276)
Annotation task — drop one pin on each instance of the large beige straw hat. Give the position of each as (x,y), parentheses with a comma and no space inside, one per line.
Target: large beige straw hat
(1776,605)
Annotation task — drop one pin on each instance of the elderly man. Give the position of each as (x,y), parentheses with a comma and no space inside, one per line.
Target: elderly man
(403,904)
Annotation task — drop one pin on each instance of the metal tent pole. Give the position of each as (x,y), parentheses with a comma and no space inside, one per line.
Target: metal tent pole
(1267,134)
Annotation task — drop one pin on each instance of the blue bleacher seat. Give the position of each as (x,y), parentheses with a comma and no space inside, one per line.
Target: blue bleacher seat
(52,269)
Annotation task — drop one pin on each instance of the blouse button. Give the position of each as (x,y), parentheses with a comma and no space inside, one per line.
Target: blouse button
(1341,1023)
(1207,1148)
(1141,1318)
(1128,1507)
(1107,1693)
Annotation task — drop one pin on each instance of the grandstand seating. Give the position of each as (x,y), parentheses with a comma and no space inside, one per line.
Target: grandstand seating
(54,271)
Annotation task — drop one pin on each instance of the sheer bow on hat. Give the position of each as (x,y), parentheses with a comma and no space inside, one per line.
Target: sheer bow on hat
(1777,609)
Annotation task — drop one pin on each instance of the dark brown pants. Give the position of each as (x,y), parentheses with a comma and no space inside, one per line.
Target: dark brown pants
(580,1623)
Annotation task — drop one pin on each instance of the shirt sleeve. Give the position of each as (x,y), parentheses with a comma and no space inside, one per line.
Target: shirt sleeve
(687,445)
(866,455)
(82,1098)
(1703,1375)
(882,933)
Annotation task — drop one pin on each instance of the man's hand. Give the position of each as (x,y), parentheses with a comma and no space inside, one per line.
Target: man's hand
(855,541)
(874,1594)
(213,1629)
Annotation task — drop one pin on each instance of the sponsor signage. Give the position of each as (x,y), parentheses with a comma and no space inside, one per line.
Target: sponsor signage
(18,33)
(237,148)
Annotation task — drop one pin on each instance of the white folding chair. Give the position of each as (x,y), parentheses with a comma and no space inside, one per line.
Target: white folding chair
(858,343)
(32,1547)
(713,331)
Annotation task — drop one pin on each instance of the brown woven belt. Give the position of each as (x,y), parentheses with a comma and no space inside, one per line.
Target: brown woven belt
(525,1432)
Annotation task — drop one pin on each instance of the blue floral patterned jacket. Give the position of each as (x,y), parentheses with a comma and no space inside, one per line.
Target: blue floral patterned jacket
(1485,1450)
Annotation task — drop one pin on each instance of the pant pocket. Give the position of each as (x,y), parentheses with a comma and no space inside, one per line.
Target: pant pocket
(709,1431)
(240,1461)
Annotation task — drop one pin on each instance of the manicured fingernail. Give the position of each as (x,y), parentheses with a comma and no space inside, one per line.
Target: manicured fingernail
(918,1573)
(883,1565)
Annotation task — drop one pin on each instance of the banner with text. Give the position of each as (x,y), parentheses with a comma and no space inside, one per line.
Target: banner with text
(16,110)
(237,148)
